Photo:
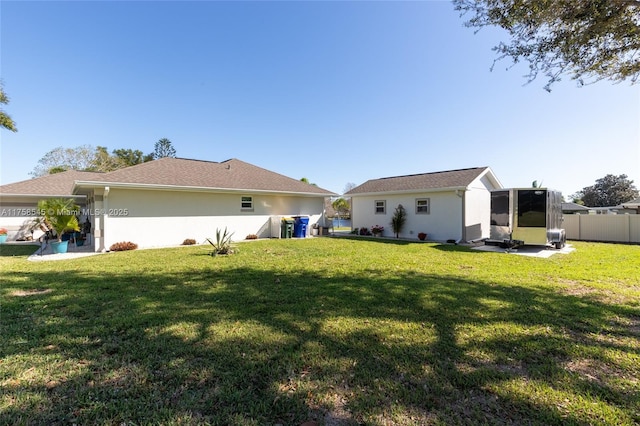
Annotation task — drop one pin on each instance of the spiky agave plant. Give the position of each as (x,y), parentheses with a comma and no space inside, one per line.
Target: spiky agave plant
(222,244)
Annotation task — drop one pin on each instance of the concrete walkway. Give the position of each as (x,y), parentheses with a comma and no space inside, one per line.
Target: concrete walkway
(72,253)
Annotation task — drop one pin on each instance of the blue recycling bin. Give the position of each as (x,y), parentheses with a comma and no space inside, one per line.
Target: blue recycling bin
(300,226)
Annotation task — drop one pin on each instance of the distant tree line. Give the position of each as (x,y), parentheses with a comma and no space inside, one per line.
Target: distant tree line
(98,159)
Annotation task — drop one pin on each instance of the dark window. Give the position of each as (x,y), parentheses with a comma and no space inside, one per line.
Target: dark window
(500,208)
(422,206)
(381,206)
(532,208)
(247,203)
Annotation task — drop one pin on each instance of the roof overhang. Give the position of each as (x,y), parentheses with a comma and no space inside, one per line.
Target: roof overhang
(37,197)
(491,176)
(410,191)
(84,187)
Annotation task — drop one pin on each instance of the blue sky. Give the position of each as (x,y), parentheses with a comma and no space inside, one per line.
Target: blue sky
(336,92)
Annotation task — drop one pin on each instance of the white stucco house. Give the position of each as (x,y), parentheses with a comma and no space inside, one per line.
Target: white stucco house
(163,202)
(446,205)
(19,200)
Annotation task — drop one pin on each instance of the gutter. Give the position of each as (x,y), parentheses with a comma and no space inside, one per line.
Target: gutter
(408,191)
(40,196)
(152,186)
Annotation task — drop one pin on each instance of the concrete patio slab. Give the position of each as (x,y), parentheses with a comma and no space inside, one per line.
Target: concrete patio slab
(531,251)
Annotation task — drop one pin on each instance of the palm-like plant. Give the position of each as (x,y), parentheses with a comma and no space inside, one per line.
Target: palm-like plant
(60,214)
(398,220)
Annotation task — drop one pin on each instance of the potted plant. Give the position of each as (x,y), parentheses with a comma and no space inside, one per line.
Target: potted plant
(377,230)
(422,236)
(80,239)
(3,235)
(61,215)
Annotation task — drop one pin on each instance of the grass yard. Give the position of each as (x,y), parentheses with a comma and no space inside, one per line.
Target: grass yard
(333,331)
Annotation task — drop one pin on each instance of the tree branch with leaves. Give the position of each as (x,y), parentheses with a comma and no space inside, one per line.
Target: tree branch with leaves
(590,40)
(5,119)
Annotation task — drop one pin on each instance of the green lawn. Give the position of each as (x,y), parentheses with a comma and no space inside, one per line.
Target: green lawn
(336,331)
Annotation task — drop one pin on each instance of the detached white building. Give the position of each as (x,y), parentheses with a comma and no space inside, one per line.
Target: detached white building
(163,202)
(447,205)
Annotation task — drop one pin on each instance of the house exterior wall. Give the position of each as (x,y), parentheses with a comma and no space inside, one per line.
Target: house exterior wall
(160,218)
(18,219)
(443,222)
(19,213)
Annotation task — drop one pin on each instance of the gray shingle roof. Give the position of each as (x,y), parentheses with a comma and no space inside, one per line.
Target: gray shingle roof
(231,175)
(635,202)
(419,182)
(573,207)
(55,184)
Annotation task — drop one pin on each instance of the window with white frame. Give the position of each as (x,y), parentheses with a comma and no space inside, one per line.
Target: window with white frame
(422,206)
(246,203)
(381,206)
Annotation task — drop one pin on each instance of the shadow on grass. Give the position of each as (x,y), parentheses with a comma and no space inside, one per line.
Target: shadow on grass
(21,250)
(248,346)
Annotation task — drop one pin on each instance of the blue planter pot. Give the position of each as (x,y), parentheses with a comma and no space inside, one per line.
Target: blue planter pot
(3,239)
(60,246)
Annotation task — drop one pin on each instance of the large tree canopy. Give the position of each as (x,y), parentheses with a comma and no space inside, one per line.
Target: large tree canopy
(60,159)
(608,191)
(131,157)
(88,158)
(589,40)
(5,120)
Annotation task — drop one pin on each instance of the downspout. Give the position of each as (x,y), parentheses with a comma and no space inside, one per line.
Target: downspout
(105,210)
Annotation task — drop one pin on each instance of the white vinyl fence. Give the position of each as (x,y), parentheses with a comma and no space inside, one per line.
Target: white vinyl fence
(624,228)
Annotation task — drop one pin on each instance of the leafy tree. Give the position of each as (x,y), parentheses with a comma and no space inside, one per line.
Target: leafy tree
(86,157)
(61,159)
(348,187)
(56,169)
(105,162)
(341,206)
(398,220)
(590,40)
(164,148)
(609,191)
(576,198)
(130,157)
(305,180)
(5,120)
